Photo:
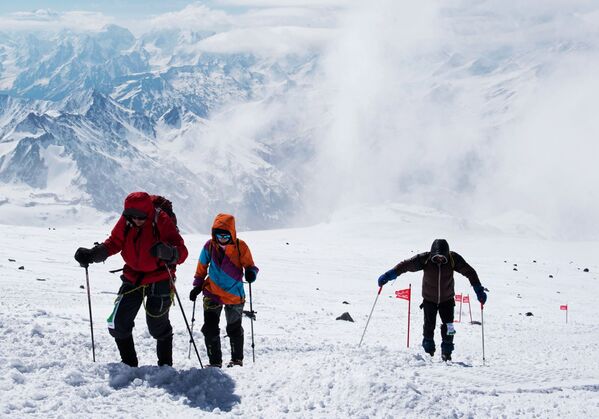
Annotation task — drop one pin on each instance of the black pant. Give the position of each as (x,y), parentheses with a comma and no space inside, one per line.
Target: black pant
(445,310)
(211,330)
(127,304)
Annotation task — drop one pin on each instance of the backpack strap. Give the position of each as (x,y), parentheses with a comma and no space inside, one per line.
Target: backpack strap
(157,211)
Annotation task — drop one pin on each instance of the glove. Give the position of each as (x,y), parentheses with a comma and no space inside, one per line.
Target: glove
(164,252)
(195,291)
(250,275)
(96,254)
(387,276)
(481,295)
(84,256)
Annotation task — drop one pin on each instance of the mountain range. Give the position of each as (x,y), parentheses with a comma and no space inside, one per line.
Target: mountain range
(86,117)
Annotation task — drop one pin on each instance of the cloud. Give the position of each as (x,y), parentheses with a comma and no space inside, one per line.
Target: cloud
(288,16)
(193,17)
(267,42)
(286,3)
(475,108)
(47,20)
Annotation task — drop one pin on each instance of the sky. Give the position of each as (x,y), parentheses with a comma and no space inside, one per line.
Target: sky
(139,16)
(117,8)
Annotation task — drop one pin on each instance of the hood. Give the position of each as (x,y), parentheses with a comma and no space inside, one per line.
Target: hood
(440,247)
(224,222)
(139,203)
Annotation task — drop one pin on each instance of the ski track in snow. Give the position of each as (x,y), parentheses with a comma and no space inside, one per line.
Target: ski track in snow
(307,363)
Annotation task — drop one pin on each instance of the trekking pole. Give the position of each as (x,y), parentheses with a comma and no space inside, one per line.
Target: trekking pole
(193,320)
(368,321)
(482,323)
(252,319)
(91,322)
(184,317)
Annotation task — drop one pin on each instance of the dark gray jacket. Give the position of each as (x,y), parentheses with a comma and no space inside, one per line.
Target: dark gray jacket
(437,281)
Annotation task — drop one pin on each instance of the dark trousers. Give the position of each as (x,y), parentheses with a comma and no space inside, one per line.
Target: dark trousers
(211,330)
(127,304)
(445,310)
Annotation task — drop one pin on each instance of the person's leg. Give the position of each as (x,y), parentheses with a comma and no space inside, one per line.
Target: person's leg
(158,304)
(234,314)
(446,312)
(122,320)
(428,330)
(211,331)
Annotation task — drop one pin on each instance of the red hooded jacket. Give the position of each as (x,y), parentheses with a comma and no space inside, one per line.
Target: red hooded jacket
(134,242)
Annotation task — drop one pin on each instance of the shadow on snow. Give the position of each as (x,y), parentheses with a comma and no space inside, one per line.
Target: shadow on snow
(207,389)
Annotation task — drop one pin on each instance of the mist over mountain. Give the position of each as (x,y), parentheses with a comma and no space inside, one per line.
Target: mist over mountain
(284,116)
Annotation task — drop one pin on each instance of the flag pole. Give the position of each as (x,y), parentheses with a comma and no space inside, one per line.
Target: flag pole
(470,308)
(409,311)
(461,308)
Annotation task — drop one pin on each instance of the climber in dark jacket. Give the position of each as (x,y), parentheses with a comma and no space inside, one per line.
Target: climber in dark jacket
(438,291)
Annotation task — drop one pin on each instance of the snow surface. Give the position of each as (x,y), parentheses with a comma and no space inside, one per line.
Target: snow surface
(307,363)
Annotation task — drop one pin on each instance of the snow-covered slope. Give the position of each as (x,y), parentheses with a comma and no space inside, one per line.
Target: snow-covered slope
(307,363)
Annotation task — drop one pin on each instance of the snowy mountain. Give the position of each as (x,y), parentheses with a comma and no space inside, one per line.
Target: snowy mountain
(88,117)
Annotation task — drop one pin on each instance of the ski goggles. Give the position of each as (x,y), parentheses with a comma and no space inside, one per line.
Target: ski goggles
(222,237)
(133,213)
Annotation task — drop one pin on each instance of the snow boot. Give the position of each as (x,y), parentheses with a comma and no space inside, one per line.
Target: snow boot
(446,350)
(235,362)
(215,355)
(127,350)
(214,365)
(429,346)
(237,347)
(164,350)
(447,346)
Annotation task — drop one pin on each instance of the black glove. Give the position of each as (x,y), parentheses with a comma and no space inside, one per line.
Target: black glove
(96,254)
(164,252)
(481,295)
(250,275)
(195,291)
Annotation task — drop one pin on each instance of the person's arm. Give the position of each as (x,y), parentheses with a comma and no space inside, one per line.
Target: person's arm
(114,243)
(101,251)
(171,236)
(201,272)
(413,264)
(461,266)
(246,260)
(202,266)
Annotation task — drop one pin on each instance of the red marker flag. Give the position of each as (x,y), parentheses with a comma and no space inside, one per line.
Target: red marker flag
(406,295)
(458,298)
(403,294)
(466,299)
(564,307)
